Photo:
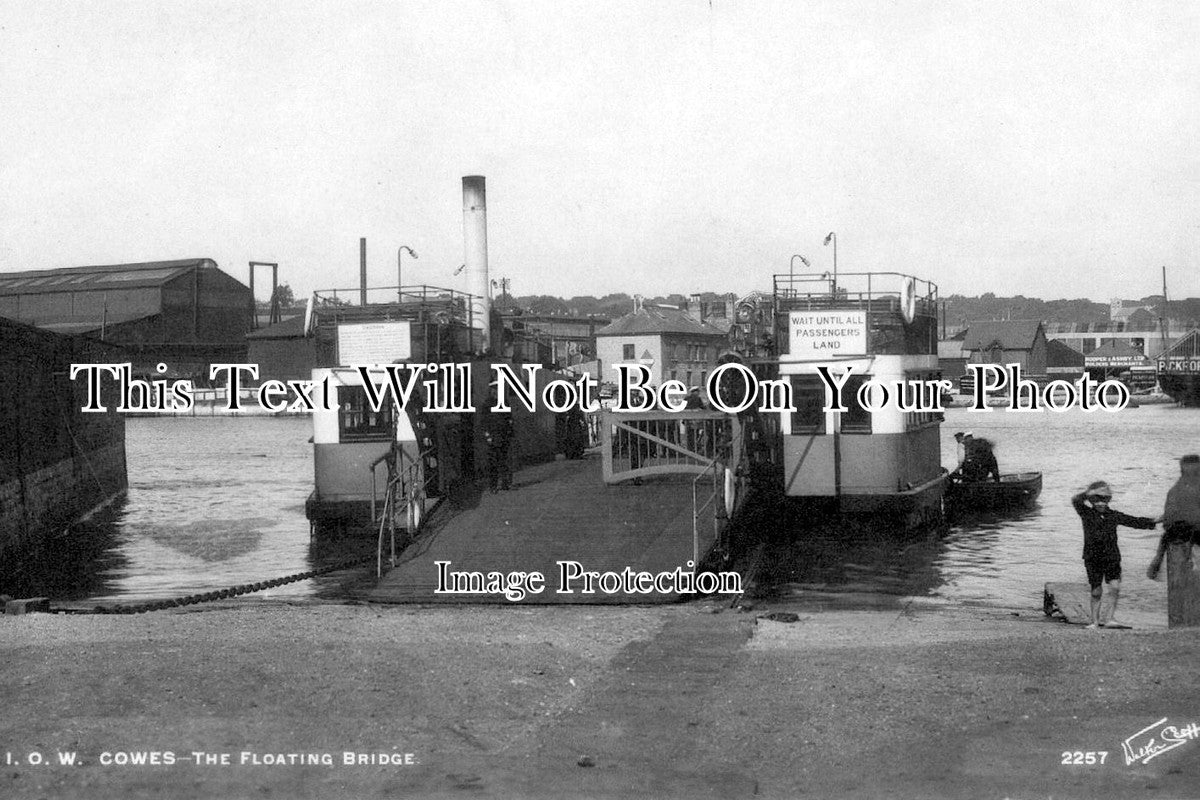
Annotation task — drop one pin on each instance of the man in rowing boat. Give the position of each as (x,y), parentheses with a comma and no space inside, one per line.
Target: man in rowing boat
(1101,556)
(1181,515)
(979,460)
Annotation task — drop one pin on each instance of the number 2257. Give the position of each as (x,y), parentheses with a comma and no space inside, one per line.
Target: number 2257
(1084,757)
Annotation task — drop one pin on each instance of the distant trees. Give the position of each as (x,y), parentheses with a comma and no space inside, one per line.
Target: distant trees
(960,309)
(287,299)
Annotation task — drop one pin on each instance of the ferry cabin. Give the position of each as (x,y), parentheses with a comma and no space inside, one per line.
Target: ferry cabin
(879,327)
(356,446)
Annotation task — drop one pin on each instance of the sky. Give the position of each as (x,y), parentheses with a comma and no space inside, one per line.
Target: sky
(1037,148)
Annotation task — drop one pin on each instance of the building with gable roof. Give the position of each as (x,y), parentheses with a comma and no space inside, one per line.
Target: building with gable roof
(671,342)
(184,313)
(1021,342)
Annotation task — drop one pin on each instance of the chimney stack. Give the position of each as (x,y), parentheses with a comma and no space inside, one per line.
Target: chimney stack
(475,247)
(362,270)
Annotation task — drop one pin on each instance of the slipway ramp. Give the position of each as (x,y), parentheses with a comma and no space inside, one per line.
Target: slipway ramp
(561,511)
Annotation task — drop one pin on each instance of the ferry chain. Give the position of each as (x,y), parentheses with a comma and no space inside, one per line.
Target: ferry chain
(222,594)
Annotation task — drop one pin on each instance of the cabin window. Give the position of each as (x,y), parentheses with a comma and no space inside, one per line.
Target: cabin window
(808,396)
(627,352)
(916,394)
(357,422)
(855,419)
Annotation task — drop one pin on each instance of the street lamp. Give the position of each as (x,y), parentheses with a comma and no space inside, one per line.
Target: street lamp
(792,269)
(400,272)
(832,237)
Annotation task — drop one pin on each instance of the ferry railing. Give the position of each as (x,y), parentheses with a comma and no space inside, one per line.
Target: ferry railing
(410,481)
(387,520)
(638,445)
(724,473)
(884,296)
(439,303)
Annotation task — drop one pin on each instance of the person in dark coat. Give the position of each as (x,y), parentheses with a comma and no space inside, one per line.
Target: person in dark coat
(1181,514)
(979,463)
(575,433)
(498,435)
(1101,556)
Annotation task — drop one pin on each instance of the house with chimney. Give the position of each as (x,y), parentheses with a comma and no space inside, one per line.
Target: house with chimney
(670,341)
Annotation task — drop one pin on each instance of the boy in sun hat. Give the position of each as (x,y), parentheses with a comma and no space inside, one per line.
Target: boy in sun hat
(1101,556)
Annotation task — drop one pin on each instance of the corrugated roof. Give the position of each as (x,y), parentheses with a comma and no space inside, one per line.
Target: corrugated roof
(1116,349)
(77,326)
(1014,335)
(650,320)
(111,276)
(290,328)
(1187,346)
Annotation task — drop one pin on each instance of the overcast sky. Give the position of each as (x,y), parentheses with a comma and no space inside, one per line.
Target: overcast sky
(1045,149)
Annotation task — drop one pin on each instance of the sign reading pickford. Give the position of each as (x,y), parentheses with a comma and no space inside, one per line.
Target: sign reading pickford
(1179,363)
(827,333)
(374,343)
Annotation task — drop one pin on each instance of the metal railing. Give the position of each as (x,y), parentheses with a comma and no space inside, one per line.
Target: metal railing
(410,482)
(706,444)
(638,445)
(437,303)
(871,291)
(726,474)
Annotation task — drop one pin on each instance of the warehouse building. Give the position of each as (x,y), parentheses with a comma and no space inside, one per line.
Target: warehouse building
(185,314)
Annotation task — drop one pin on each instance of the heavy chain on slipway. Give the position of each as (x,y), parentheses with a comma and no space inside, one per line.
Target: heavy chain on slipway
(208,597)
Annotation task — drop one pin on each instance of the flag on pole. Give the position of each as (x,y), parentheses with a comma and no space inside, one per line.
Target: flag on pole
(829,238)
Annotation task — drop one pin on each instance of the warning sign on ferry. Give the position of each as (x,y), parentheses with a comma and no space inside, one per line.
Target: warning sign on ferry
(374,342)
(819,334)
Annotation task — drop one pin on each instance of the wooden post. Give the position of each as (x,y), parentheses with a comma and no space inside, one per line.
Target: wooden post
(1183,587)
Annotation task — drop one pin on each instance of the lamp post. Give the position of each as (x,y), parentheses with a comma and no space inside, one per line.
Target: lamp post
(400,272)
(792,270)
(832,237)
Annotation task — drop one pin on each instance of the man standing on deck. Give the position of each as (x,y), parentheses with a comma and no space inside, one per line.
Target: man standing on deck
(498,433)
(1181,515)
(1101,556)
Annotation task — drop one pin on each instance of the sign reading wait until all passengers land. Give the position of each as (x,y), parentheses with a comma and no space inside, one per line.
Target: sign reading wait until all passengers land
(822,334)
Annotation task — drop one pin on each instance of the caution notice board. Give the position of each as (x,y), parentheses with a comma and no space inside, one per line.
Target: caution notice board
(374,343)
(822,334)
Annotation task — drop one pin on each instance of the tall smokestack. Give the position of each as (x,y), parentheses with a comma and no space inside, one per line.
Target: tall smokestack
(475,245)
(362,270)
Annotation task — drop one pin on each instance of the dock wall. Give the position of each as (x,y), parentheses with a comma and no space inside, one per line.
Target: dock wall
(41,504)
(57,463)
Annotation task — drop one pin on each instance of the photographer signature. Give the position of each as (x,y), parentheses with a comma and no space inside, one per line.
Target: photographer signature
(1154,740)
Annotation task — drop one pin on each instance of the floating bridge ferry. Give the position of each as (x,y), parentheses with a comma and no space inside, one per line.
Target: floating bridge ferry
(881,458)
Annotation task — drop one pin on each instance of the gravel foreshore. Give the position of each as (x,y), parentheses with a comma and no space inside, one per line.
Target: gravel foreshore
(894,699)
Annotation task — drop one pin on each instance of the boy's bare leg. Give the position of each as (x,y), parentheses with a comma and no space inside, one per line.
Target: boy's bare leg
(1097,594)
(1114,591)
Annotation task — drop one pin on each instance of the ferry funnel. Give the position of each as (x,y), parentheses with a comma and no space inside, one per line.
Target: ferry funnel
(475,246)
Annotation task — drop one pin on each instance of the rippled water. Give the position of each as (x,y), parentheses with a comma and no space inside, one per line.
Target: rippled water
(215,502)
(1005,560)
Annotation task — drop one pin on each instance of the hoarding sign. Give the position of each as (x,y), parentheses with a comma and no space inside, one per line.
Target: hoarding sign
(1113,361)
(1179,364)
(823,334)
(374,343)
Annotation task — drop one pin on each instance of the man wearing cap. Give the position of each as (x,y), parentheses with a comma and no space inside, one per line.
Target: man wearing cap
(1181,514)
(1101,556)
(978,461)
